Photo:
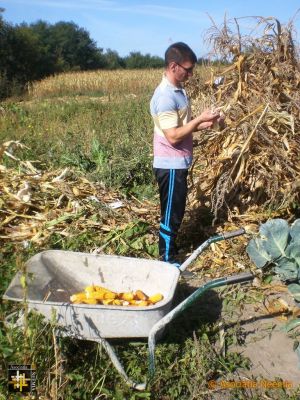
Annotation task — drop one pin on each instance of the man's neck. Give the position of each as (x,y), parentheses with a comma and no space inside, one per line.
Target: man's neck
(172,79)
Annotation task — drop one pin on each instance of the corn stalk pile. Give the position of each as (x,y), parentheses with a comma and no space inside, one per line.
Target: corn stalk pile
(254,162)
(36,204)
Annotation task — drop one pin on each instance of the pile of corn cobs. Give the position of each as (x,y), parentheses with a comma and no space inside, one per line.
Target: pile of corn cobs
(100,295)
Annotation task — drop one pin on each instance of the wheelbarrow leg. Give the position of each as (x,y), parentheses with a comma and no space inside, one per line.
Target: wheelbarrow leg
(117,364)
(244,277)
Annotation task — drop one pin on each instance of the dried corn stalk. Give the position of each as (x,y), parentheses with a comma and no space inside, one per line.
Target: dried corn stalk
(35,204)
(255,160)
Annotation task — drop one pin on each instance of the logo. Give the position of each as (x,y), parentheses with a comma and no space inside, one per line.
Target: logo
(21,379)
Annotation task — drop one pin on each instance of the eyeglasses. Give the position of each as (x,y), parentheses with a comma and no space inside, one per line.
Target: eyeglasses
(188,70)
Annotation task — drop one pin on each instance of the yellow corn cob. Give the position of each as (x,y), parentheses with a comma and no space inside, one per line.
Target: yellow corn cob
(90,301)
(139,295)
(117,302)
(92,290)
(96,295)
(89,289)
(109,295)
(155,298)
(139,303)
(127,296)
(89,295)
(100,289)
(78,297)
(107,302)
(95,288)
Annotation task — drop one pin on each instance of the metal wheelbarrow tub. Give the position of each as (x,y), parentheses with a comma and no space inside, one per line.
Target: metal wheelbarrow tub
(54,275)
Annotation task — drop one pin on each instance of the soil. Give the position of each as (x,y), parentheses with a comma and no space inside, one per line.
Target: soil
(274,365)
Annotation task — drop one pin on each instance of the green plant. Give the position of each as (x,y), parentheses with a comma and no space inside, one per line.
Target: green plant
(279,246)
(135,238)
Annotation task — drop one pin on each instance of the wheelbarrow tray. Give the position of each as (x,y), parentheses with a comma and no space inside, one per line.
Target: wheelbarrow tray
(54,275)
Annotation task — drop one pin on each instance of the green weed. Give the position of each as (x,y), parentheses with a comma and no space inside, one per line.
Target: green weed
(108,142)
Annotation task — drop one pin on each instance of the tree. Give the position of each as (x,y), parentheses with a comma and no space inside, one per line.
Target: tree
(74,47)
(113,60)
(19,57)
(137,60)
(31,52)
(27,55)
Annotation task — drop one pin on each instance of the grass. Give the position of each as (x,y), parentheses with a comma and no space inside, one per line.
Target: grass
(106,141)
(68,369)
(88,122)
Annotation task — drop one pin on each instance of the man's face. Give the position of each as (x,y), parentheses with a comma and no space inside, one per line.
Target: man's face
(184,70)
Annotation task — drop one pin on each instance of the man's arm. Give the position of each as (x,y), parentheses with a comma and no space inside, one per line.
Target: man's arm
(204,120)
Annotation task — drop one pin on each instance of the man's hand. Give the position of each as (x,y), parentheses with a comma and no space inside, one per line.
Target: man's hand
(209,115)
(204,125)
(206,119)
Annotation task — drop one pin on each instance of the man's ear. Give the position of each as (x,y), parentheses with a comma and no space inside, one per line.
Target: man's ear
(172,66)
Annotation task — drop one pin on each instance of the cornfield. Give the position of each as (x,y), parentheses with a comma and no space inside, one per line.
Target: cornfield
(105,83)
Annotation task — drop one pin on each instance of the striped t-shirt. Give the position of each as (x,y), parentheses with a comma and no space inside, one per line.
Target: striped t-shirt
(170,108)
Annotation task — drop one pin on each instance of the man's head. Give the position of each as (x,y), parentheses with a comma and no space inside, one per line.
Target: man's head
(180,61)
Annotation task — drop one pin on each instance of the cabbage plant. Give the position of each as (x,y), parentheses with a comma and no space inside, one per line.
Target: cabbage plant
(279,246)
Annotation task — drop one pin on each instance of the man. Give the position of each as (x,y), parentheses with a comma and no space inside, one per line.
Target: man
(173,143)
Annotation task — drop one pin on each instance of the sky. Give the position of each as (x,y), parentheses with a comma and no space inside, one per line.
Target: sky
(149,26)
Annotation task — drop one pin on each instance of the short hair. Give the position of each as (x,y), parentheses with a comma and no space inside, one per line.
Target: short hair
(179,52)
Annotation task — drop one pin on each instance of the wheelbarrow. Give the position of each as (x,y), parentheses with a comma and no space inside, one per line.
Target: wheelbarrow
(54,275)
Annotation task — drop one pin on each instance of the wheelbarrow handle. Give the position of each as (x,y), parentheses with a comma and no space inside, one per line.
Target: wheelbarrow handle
(239,278)
(207,243)
(231,234)
(160,325)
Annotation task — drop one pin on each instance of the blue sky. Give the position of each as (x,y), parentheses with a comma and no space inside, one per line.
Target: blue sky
(148,26)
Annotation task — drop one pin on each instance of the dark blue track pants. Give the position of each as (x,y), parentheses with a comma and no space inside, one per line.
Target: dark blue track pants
(172,185)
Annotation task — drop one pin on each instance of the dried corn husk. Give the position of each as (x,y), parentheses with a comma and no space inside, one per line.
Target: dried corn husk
(254,161)
(36,204)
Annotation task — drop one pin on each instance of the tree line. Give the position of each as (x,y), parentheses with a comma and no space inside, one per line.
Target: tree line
(30,52)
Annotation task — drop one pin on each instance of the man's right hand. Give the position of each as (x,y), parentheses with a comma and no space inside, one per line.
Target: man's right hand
(204,125)
(206,119)
(209,115)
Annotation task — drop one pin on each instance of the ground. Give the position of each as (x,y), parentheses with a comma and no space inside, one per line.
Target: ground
(258,334)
